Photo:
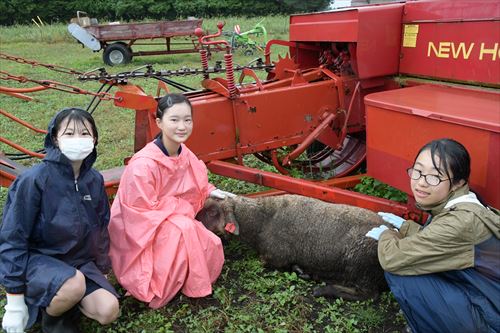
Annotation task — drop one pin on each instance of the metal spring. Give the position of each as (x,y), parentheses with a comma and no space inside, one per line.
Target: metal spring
(204,61)
(228,60)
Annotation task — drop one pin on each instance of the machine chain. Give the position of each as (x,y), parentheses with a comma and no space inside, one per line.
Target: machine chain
(99,74)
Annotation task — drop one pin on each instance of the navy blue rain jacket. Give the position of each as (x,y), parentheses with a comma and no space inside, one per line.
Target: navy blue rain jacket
(49,213)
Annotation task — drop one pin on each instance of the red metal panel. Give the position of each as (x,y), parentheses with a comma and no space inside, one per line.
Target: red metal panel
(379,38)
(459,51)
(451,10)
(214,131)
(133,97)
(457,40)
(257,121)
(400,122)
(341,26)
(376,30)
(112,180)
(299,108)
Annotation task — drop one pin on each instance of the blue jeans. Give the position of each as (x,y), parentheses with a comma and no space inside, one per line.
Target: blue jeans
(456,301)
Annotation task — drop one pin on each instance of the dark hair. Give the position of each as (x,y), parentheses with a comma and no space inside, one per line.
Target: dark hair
(452,156)
(78,115)
(169,100)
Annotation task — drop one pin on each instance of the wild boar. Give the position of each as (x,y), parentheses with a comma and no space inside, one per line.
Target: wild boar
(323,239)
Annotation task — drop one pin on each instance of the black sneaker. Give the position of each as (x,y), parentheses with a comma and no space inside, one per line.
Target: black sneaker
(406,329)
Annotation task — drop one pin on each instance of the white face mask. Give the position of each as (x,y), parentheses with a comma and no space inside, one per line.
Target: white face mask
(76,149)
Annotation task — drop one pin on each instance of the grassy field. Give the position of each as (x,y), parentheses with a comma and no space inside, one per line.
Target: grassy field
(247,297)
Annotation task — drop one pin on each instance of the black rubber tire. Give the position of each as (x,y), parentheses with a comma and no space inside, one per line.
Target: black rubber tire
(248,52)
(117,54)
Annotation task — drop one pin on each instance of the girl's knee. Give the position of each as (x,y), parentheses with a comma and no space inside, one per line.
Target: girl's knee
(73,289)
(108,312)
(76,286)
(69,294)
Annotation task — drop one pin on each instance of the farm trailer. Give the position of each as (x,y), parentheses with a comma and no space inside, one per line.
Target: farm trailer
(117,40)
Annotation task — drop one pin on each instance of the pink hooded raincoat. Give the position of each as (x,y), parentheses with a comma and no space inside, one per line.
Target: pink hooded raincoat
(157,246)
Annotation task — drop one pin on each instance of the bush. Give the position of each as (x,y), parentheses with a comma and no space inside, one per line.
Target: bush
(22,11)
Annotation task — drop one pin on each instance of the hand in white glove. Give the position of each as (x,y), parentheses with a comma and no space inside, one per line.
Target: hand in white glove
(220,194)
(376,232)
(16,314)
(392,219)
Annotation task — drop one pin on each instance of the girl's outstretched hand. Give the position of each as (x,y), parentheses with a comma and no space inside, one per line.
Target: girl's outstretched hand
(376,232)
(220,194)
(395,220)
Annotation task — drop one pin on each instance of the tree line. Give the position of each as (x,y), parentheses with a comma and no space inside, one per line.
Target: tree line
(23,11)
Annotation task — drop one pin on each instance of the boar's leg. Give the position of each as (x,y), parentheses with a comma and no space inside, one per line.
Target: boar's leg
(336,291)
(300,272)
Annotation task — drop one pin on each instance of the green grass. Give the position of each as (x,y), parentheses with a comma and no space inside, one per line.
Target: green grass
(247,297)
(250,298)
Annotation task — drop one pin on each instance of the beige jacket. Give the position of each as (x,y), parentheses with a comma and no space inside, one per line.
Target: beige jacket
(447,243)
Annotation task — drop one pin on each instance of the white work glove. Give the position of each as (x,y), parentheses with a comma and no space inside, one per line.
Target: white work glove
(392,219)
(220,194)
(376,232)
(16,314)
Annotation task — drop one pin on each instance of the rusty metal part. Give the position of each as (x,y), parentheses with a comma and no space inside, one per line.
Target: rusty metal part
(342,182)
(204,40)
(283,68)
(9,170)
(228,57)
(21,148)
(307,188)
(204,61)
(49,84)
(52,67)
(298,45)
(22,122)
(19,92)
(309,139)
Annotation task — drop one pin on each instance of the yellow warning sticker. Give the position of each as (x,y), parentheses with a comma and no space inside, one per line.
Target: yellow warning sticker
(410,34)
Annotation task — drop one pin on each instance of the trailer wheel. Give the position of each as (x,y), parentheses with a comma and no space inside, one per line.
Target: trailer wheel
(117,54)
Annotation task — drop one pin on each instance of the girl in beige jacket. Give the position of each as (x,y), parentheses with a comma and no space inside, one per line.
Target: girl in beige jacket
(445,274)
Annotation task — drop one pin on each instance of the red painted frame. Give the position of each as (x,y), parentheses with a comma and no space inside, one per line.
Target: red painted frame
(452,40)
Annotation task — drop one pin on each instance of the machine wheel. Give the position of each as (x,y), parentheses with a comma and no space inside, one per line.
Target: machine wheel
(117,54)
(322,162)
(248,52)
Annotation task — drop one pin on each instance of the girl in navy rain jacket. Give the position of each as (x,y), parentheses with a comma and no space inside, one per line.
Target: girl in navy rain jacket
(53,239)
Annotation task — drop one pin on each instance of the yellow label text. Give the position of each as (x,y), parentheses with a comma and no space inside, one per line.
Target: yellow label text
(463,50)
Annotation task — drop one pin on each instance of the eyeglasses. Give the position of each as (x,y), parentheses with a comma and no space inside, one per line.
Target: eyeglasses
(432,180)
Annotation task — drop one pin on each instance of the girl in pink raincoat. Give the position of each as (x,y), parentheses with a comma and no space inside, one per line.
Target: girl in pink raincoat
(157,246)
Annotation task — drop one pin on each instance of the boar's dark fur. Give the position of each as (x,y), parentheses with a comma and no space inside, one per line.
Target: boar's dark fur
(325,240)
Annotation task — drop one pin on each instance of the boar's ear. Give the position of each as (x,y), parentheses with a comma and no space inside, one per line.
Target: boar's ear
(232,226)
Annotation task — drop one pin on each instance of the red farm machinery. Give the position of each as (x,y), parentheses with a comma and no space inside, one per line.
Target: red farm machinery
(370,83)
